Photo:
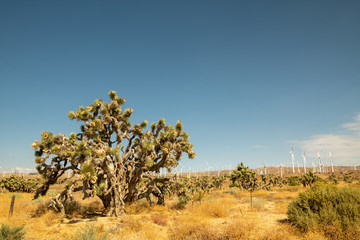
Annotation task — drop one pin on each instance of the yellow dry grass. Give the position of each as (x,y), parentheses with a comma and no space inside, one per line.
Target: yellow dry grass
(220,215)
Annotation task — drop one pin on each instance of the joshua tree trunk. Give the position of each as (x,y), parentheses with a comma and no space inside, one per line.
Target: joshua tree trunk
(251,198)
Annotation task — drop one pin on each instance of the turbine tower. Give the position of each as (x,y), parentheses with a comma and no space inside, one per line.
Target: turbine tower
(281,170)
(304,161)
(298,165)
(319,162)
(332,163)
(264,168)
(292,159)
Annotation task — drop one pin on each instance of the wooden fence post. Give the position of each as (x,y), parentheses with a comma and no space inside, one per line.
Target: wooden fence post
(11,210)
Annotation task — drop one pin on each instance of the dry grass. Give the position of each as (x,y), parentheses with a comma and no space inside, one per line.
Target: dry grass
(160,220)
(211,209)
(281,206)
(197,225)
(220,215)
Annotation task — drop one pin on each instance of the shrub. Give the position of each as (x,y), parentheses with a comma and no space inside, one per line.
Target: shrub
(233,191)
(327,207)
(52,193)
(293,181)
(183,200)
(332,178)
(88,233)
(8,233)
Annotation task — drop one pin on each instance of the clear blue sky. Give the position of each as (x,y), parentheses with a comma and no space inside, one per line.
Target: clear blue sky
(248,79)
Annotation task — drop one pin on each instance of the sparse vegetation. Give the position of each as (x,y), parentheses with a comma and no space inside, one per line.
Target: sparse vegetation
(89,233)
(221,214)
(11,233)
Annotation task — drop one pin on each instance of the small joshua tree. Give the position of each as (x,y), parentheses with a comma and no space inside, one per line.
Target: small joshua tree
(245,178)
(309,179)
(110,155)
(218,181)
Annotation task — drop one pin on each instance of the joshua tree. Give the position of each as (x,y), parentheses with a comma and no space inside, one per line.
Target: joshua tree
(110,155)
(245,178)
(309,179)
(218,181)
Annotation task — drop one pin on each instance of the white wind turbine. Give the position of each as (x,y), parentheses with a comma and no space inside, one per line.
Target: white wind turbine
(319,162)
(208,169)
(292,159)
(332,163)
(298,166)
(264,168)
(304,161)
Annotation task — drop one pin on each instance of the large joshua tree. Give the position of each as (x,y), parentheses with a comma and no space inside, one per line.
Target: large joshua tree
(109,156)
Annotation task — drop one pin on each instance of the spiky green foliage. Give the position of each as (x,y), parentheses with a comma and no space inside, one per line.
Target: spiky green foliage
(218,181)
(309,179)
(245,178)
(11,233)
(110,154)
(15,183)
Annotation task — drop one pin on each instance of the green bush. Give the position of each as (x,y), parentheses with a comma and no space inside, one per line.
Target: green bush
(9,233)
(293,181)
(182,201)
(88,233)
(327,207)
(233,191)
(52,193)
(332,178)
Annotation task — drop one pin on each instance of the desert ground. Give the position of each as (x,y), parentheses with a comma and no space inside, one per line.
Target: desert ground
(219,214)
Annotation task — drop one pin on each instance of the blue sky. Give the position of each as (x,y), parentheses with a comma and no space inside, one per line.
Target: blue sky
(248,79)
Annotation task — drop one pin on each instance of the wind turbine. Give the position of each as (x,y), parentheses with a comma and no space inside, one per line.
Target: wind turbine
(313,164)
(264,169)
(298,165)
(332,163)
(208,168)
(319,162)
(292,159)
(304,161)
